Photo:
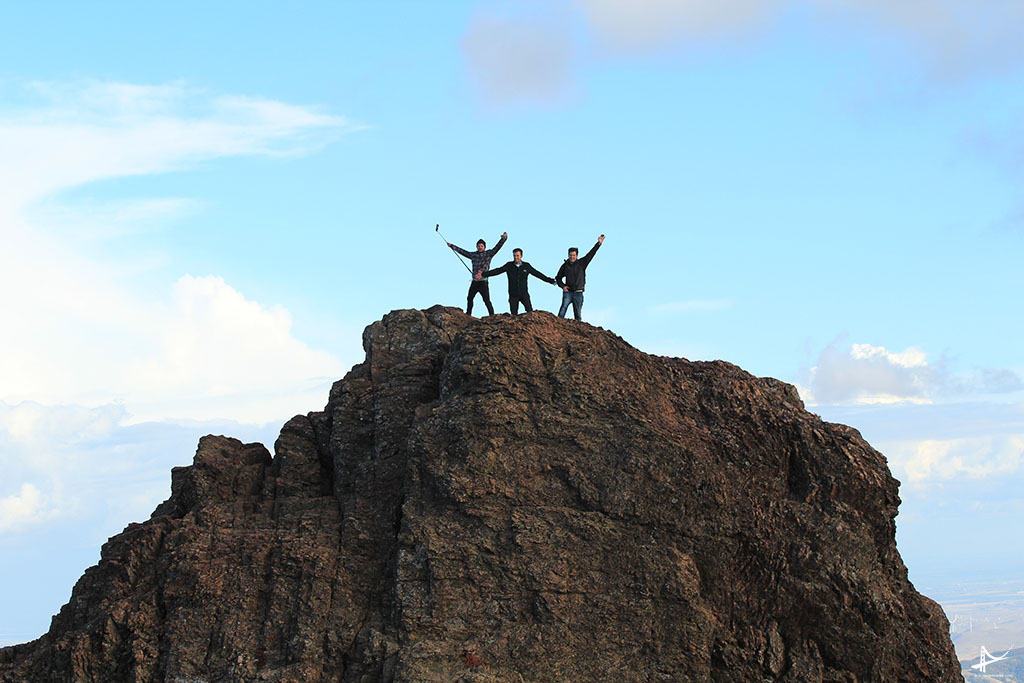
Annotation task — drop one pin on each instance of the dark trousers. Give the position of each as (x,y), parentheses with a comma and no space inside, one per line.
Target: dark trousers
(513,303)
(485,292)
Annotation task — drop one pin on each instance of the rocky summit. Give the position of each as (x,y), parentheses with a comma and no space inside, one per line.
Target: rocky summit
(513,499)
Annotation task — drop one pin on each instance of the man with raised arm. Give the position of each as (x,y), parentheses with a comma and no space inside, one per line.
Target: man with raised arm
(518,271)
(481,260)
(572,278)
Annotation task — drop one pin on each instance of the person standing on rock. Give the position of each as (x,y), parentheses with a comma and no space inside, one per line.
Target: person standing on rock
(572,277)
(519,272)
(481,260)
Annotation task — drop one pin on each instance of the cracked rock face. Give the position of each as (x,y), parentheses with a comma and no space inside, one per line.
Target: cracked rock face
(526,499)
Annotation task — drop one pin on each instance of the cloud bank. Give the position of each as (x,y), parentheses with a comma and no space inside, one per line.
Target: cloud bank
(216,354)
(979,457)
(86,466)
(203,351)
(867,374)
(970,451)
(870,374)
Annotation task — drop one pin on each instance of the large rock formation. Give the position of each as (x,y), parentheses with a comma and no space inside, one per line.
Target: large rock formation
(513,499)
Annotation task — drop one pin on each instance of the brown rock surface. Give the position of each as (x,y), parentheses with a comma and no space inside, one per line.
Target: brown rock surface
(526,499)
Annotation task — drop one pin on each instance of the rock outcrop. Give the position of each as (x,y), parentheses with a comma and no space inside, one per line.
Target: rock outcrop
(513,499)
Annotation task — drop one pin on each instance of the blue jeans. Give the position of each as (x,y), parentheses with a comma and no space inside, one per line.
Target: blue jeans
(577,304)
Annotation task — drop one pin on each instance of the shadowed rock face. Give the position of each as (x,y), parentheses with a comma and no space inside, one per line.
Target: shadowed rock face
(526,499)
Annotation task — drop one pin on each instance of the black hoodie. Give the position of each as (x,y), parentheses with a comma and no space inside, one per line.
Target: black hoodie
(574,275)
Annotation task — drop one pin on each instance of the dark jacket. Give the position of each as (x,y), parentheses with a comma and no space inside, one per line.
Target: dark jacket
(481,260)
(574,275)
(517,277)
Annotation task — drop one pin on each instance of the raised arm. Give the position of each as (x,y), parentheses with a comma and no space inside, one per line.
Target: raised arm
(590,254)
(494,250)
(460,250)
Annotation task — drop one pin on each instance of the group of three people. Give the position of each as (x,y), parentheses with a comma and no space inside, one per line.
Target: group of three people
(571,277)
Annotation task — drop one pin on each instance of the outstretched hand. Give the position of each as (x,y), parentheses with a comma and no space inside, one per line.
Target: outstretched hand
(600,240)
(449,244)
(504,235)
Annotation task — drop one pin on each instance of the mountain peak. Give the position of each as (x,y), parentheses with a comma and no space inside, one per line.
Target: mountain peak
(512,499)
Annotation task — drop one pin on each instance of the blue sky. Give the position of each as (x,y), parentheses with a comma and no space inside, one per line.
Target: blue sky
(202,206)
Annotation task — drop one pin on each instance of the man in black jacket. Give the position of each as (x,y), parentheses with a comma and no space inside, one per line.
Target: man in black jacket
(518,272)
(481,260)
(572,277)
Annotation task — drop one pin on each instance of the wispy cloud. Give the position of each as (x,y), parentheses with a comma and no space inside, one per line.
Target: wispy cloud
(92,221)
(73,134)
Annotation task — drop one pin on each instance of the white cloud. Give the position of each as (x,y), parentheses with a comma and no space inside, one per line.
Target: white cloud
(806,395)
(217,353)
(30,423)
(870,374)
(928,461)
(91,468)
(79,332)
(206,353)
(23,509)
(913,357)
